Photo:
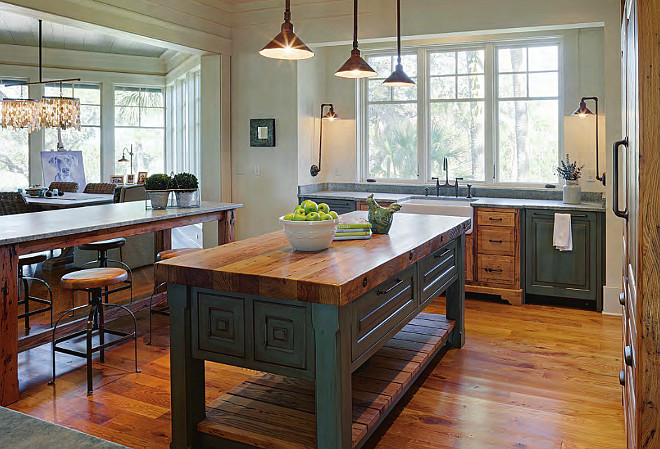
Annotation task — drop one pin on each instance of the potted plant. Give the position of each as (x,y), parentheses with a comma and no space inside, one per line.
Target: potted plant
(157,188)
(571,173)
(185,185)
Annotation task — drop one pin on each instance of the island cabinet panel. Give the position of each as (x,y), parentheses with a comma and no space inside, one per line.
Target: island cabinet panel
(279,334)
(381,310)
(221,324)
(572,274)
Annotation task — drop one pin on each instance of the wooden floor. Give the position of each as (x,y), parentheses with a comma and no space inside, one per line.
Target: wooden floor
(528,377)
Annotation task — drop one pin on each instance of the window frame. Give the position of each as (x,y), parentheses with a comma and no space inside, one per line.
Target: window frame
(491,106)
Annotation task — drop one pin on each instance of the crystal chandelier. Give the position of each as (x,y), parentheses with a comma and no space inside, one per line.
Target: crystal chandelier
(48,112)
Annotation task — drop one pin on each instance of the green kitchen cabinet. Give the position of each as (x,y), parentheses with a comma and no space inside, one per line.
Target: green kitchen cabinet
(574,274)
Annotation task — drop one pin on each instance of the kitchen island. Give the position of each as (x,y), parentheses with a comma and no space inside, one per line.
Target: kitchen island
(339,334)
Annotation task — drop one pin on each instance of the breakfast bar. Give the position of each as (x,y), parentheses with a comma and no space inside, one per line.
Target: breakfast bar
(337,336)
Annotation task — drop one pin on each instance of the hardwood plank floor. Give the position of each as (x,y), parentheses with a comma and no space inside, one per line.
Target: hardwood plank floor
(528,377)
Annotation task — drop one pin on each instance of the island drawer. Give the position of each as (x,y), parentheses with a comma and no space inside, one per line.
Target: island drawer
(220,324)
(495,217)
(381,310)
(494,240)
(437,271)
(496,269)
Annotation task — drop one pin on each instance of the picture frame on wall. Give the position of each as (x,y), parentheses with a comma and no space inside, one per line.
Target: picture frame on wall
(117,179)
(142,177)
(63,166)
(262,132)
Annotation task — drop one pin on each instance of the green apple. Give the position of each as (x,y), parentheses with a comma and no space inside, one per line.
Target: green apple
(311,206)
(313,216)
(333,214)
(304,203)
(298,208)
(325,216)
(324,208)
(288,217)
(299,217)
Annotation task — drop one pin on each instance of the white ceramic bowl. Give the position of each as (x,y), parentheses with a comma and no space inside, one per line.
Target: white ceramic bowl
(309,235)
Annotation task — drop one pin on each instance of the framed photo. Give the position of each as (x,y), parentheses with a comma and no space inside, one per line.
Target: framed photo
(142,177)
(117,179)
(63,166)
(130,179)
(262,132)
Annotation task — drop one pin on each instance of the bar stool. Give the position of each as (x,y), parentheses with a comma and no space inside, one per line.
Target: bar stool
(23,261)
(165,255)
(102,247)
(93,281)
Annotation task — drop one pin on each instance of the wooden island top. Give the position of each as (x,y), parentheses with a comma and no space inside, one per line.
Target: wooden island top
(268,265)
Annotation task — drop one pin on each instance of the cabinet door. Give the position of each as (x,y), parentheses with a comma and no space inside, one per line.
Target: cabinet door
(550,272)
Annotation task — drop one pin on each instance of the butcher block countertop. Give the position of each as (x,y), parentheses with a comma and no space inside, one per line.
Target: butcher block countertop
(268,265)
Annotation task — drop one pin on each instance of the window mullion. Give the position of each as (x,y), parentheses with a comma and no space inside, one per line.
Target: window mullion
(491,105)
(422,117)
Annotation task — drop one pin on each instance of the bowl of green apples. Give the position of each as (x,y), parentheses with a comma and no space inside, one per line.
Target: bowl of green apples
(310,226)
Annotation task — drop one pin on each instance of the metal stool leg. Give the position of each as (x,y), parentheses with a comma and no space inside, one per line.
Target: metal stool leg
(101,327)
(127,310)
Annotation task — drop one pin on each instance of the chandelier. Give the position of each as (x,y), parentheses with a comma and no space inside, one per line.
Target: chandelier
(48,112)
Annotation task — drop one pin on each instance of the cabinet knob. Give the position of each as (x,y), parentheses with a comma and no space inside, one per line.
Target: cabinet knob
(622,378)
(628,355)
(622,298)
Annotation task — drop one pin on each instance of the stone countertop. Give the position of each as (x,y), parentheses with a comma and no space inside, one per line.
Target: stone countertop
(515,203)
(20,228)
(21,431)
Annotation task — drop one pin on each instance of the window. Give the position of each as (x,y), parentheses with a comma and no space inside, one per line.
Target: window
(88,139)
(392,122)
(140,121)
(14,150)
(491,109)
(528,113)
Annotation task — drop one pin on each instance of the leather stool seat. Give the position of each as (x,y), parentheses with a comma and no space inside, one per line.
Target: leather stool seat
(93,278)
(104,245)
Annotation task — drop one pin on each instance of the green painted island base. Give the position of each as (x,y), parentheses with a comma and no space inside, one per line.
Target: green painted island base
(278,412)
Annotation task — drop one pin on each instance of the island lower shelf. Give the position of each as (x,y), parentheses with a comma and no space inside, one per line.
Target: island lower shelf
(278,412)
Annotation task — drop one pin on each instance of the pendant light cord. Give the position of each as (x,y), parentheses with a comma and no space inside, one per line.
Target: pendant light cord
(398,31)
(287,11)
(355,23)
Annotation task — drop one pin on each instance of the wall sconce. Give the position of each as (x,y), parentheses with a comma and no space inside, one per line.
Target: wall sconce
(330,115)
(583,111)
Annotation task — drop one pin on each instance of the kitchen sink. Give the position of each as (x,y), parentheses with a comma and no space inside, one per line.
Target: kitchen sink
(439,206)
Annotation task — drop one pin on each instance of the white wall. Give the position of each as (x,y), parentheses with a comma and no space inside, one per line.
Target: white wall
(261,86)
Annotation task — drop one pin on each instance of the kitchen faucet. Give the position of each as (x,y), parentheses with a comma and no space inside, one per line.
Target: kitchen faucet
(445,168)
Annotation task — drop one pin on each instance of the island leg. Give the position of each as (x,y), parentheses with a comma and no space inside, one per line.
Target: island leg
(333,377)
(186,373)
(456,298)
(8,325)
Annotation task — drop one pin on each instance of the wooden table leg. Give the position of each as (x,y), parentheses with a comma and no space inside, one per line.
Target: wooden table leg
(186,373)
(333,377)
(227,227)
(456,298)
(163,240)
(8,325)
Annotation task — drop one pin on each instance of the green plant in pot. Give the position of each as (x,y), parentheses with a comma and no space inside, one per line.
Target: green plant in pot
(571,174)
(157,187)
(185,188)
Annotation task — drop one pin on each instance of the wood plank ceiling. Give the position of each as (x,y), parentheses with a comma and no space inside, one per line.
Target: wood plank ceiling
(21,30)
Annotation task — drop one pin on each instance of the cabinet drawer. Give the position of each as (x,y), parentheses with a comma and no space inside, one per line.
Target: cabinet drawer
(280,334)
(437,271)
(493,240)
(362,205)
(496,269)
(339,206)
(378,312)
(220,324)
(491,217)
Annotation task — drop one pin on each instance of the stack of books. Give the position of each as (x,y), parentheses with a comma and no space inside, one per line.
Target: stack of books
(359,230)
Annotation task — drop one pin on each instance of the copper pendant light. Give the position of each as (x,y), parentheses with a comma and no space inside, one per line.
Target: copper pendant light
(287,45)
(398,78)
(355,66)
